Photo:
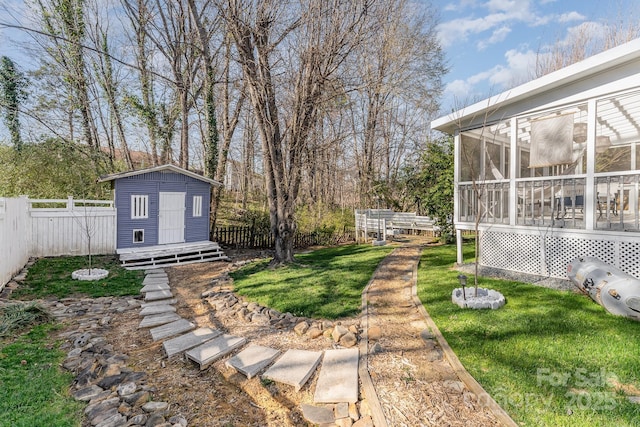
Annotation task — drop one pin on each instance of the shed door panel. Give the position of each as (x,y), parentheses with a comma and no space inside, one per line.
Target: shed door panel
(171,218)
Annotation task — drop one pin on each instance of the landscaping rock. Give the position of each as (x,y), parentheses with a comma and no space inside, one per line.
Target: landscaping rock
(87,393)
(155,406)
(314,333)
(348,340)
(301,328)
(338,332)
(365,421)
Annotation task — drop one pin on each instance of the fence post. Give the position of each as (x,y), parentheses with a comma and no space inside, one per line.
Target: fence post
(69,203)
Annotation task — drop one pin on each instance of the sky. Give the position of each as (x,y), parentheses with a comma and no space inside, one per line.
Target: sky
(491,45)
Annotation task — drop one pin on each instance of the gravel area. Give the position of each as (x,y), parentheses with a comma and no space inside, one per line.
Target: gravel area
(544,281)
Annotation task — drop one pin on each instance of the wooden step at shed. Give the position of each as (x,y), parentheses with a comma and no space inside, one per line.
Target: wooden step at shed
(209,352)
(157,309)
(158,319)
(338,378)
(252,360)
(167,255)
(294,368)
(188,341)
(170,329)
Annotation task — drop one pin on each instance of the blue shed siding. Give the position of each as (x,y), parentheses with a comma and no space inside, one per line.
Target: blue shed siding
(151,184)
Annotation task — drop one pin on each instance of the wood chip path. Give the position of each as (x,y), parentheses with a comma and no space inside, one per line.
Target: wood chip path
(414,379)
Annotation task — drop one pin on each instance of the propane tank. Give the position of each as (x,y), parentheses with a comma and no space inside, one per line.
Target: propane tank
(612,288)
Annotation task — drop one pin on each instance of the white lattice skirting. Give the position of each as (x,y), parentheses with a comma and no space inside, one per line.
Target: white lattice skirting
(547,252)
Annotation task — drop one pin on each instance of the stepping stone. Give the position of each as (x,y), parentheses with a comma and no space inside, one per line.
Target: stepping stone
(155,287)
(168,301)
(154,271)
(252,360)
(187,341)
(211,351)
(152,281)
(157,295)
(294,368)
(158,319)
(170,329)
(338,378)
(157,309)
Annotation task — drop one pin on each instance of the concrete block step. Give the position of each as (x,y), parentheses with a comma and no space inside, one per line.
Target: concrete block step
(189,340)
(157,309)
(294,368)
(338,377)
(155,278)
(170,329)
(167,301)
(157,295)
(252,360)
(209,352)
(158,319)
(152,287)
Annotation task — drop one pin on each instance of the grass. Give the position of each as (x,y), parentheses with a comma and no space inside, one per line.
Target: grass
(326,283)
(33,389)
(549,358)
(52,276)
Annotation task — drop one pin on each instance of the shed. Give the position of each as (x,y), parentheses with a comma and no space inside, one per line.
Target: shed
(551,169)
(162,216)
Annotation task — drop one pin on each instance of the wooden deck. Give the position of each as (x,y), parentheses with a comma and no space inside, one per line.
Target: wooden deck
(168,255)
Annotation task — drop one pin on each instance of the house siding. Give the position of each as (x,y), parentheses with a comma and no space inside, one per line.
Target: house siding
(151,184)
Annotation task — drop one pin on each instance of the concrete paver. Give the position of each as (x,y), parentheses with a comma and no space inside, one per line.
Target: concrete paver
(158,319)
(209,352)
(158,295)
(294,368)
(157,309)
(171,329)
(338,378)
(151,287)
(252,360)
(189,340)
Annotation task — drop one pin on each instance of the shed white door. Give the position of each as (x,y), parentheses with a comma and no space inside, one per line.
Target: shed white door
(171,218)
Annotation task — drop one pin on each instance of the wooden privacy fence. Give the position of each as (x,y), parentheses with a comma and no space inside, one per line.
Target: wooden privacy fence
(52,227)
(251,237)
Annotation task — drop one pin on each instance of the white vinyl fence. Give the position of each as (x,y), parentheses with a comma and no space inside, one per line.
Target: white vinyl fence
(53,227)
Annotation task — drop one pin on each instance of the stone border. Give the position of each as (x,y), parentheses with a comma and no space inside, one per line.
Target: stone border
(89,274)
(377,414)
(471,383)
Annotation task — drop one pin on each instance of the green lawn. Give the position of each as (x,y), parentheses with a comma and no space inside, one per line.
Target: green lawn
(33,388)
(547,357)
(326,283)
(52,276)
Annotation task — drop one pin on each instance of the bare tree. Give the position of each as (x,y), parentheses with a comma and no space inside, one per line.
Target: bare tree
(313,38)
(64,22)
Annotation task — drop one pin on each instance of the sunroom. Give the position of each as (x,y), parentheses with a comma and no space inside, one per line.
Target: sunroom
(550,170)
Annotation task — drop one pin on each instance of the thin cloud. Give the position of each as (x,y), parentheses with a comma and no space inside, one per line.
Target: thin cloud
(571,16)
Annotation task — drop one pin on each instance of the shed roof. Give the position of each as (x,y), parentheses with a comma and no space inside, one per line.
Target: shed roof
(161,168)
(589,67)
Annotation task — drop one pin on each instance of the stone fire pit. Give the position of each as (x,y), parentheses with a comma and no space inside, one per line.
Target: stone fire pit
(487,298)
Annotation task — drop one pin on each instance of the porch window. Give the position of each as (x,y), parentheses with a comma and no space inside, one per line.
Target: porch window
(139,206)
(197,206)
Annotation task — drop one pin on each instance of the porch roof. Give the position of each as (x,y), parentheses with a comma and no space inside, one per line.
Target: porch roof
(600,63)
